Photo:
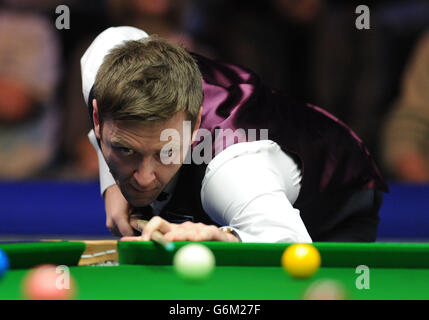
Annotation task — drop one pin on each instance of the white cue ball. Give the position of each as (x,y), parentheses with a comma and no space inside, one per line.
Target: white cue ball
(194,262)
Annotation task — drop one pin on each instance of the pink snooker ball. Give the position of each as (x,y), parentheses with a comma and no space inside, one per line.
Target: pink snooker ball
(45,283)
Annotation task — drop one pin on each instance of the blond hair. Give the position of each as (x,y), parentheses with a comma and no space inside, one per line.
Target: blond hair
(148,80)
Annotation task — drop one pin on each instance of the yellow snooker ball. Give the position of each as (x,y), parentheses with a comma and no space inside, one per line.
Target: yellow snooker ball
(301,260)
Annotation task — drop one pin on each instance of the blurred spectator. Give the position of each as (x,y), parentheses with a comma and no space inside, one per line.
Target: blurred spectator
(76,158)
(164,18)
(35,5)
(351,70)
(29,70)
(406,133)
(274,38)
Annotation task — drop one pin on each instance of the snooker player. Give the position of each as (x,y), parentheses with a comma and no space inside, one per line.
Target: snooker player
(310,179)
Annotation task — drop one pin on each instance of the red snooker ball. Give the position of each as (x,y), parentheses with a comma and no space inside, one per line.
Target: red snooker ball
(45,282)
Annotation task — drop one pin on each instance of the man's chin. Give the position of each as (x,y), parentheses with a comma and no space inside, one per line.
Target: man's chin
(140,201)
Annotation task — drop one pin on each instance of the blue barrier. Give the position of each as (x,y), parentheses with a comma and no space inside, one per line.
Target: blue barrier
(51,207)
(405,212)
(76,208)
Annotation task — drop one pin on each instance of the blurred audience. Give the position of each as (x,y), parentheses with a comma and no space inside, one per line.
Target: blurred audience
(75,158)
(312,50)
(29,71)
(351,69)
(406,133)
(309,48)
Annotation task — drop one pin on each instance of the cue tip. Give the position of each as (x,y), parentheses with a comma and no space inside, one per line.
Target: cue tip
(169,246)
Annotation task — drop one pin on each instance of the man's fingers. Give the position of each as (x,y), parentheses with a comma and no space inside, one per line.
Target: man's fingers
(117,209)
(135,225)
(156,223)
(112,227)
(179,234)
(124,227)
(187,231)
(139,238)
(198,232)
(206,233)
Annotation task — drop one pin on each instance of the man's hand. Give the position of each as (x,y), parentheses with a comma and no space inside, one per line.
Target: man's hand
(117,212)
(187,231)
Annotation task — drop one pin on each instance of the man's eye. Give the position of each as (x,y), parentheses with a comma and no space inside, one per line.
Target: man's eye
(126,151)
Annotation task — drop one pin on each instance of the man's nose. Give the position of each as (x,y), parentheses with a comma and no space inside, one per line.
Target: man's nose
(145,173)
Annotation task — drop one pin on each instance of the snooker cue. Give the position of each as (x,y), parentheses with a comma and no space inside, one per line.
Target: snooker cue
(156,236)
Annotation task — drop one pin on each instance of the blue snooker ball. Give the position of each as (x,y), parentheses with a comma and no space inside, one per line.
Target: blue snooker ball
(4,263)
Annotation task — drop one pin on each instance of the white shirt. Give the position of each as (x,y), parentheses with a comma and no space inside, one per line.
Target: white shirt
(249,186)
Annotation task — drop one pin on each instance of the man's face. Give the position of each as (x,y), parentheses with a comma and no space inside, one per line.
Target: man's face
(133,153)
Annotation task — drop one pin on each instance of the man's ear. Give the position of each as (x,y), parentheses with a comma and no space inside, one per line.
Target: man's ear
(96,119)
(197,123)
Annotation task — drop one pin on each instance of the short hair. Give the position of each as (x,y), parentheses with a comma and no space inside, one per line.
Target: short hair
(148,80)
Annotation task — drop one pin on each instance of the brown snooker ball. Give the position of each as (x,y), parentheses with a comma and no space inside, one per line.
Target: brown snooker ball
(325,289)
